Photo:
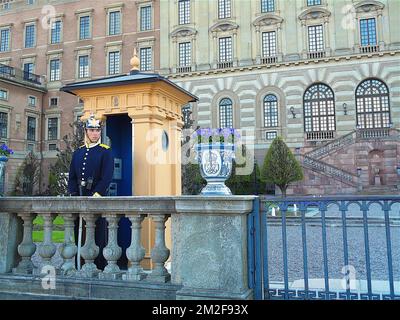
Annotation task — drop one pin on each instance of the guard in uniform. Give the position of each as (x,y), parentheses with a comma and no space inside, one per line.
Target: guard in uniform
(90,174)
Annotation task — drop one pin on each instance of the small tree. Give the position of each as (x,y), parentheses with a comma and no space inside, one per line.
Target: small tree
(280,166)
(58,176)
(27,177)
(245,184)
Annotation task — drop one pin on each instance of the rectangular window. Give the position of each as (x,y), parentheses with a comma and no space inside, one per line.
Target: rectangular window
(84,27)
(185,54)
(83,67)
(145,18)
(32,101)
(271,135)
(28,71)
(313,2)
(30,31)
(52,129)
(113,62)
(4,40)
(225,49)
(52,147)
(56,32)
(184,11)
(368,32)
(145,59)
(269,44)
(267,5)
(315,38)
(3,94)
(55,70)
(31,129)
(114,23)
(224,9)
(53,102)
(30,1)
(3,125)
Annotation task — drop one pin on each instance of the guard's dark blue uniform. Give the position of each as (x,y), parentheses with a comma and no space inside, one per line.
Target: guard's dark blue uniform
(91,170)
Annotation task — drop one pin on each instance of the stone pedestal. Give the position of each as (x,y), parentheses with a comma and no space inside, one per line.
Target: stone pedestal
(10,238)
(209,251)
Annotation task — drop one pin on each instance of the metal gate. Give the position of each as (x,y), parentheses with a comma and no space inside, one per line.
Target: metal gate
(325,248)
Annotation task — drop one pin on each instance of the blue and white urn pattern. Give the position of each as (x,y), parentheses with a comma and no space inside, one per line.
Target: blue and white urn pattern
(215,161)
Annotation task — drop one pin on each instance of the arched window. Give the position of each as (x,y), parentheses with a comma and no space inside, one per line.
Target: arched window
(319,109)
(225,113)
(372,103)
(270,111)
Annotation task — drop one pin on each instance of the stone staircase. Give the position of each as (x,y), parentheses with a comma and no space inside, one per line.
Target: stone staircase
(314,159)
(329,170)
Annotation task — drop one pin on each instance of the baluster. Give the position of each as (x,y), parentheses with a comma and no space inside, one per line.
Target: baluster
(135,252)
(90,250)
(26,248)
(112,252)
(159,253)
(68,249)
(47,249)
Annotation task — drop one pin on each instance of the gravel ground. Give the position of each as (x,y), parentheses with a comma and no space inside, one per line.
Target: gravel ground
(334,235)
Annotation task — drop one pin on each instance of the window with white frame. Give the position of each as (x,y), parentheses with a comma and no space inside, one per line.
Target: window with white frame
(56,32)
(224,9)
(28,70)
(372,104)
(3,94)
(270,111)
(368,32)
(185,54)
(55,70)
(84,27)
(313,3)
(83,63)
(267,6)
(316,38)
(30,34)
(5,40)
(3,125)
(269,44)
(146,59)
(114,23)
(113,62)
(319,108)
(30,2)
(225,49)
(31,101)
(184,11)
(145,18)
(52,129)
(31,129)
(225,113)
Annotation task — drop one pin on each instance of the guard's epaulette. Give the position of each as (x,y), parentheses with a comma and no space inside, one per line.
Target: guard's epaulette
(104,146)
(81,146)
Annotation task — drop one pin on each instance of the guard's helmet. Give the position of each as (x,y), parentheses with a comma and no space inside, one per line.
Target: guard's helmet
(92,123)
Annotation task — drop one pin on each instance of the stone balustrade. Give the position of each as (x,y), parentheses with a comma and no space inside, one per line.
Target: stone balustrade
(209,235)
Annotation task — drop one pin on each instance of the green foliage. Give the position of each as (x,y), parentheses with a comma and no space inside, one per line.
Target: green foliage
(192,181)
(58,175)
(280,166)
(245,184)
(27,177)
